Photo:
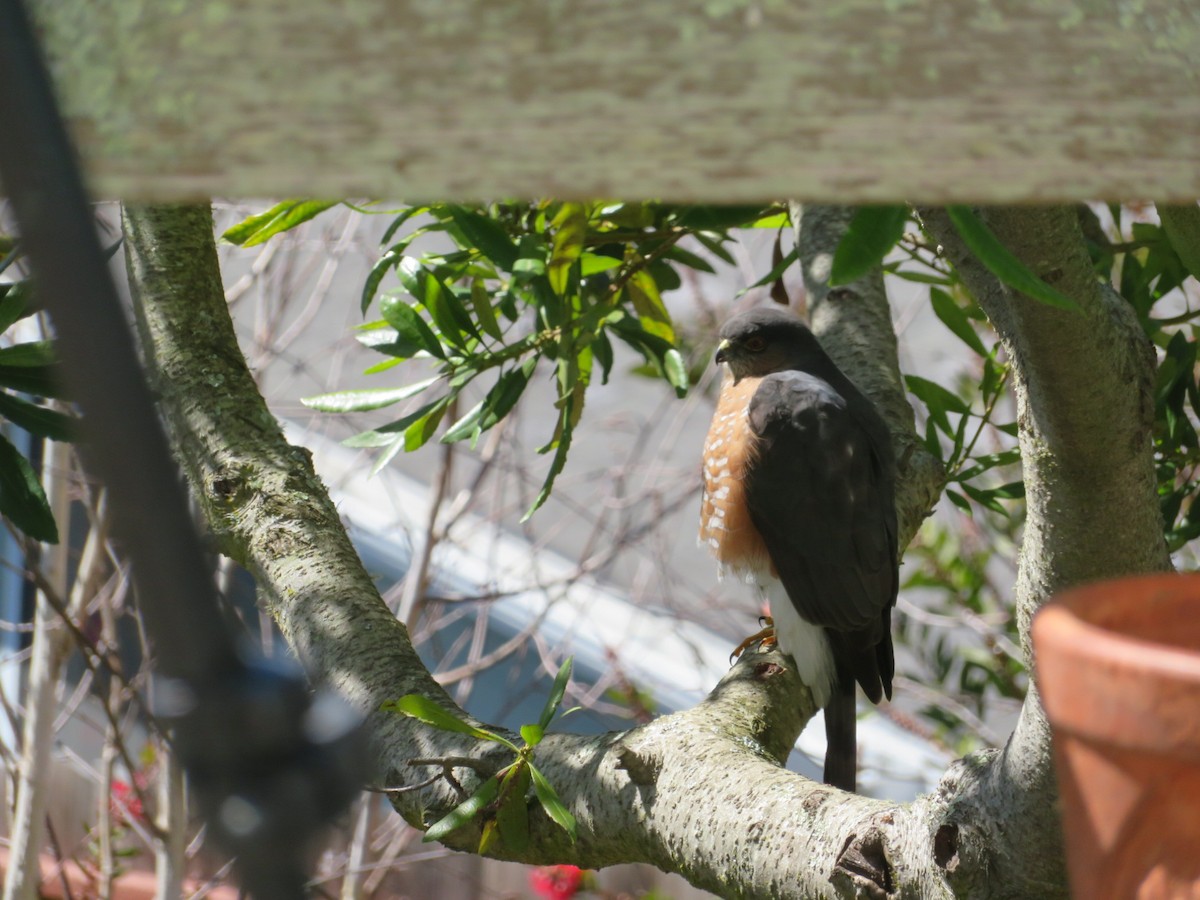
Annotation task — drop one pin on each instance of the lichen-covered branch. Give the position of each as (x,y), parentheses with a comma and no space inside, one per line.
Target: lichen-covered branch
(265,506)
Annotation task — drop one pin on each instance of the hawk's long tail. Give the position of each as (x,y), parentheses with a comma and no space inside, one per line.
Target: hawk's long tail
(841,725)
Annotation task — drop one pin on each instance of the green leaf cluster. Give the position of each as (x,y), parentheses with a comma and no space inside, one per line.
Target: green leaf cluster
(875,230)
(524,286)
(281,217)
(1156,268)
(955,423)
(500,804)
(27,378)
(974,666)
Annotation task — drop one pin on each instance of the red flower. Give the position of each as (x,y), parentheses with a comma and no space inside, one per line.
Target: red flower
(556,882)
(125,802)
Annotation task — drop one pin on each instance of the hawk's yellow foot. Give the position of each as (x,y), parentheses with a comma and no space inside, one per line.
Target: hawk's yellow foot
(765,636)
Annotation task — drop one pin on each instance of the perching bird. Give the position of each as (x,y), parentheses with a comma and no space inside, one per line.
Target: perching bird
(799,500)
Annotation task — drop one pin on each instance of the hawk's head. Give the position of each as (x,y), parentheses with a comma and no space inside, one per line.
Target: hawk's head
(769,339)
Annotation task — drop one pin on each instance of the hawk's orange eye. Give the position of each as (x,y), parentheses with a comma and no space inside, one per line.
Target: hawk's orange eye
(755,344)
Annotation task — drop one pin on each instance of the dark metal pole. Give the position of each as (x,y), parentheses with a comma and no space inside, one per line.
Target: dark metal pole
(265,773)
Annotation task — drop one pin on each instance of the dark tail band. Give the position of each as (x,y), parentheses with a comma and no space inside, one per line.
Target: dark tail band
(841,727)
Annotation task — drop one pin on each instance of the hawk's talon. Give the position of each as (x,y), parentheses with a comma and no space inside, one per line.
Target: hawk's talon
(765,636)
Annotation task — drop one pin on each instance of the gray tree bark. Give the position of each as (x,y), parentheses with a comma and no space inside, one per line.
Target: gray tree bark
(700,792)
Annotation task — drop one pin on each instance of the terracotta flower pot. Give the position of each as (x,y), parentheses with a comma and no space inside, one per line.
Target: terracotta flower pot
(1118,666)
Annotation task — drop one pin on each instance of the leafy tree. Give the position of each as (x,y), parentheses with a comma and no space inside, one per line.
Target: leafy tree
(26,382)
(1064,312)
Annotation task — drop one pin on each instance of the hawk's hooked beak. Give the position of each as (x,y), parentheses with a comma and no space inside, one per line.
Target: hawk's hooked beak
(722,355)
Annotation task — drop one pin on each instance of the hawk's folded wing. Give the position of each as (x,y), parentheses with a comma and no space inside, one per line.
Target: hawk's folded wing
(820,493)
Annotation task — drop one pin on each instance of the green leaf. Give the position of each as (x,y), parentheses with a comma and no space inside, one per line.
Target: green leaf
(554,808)
(984,498)
(488,835)
(932,393)
(959,500)
(15,304)
(718,218)
(652,313)
(409,325)
(712,243)
(465,426)
(487,235)
(932,443)
(689,259)
(444,307)
(417,434)
(1013,490)
(22,499)
(367,440)
(651,346)
(676,371)
(571,224)
(39,381)
(485,315)
(279,218)
(937,400)
(431,713)
(512,815)
(531,263)
(505,393)
(982,464)
(557,692)
(400,220)
(602,348)
(39,420)
(595,263)
(363,400)
(375,276)
(33,353)
(954,318)
(1001,262)
(393,447)
(1182,225)
(392,434)
(915,276)
(532,734)
(775,274)
(399,350)
(566,428)
(872,232)
(464,812)
(780,219)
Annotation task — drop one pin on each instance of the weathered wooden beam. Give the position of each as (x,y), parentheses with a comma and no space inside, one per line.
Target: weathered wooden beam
(846,100)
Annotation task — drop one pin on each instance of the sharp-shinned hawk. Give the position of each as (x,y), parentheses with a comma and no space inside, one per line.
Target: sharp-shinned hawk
(799,500)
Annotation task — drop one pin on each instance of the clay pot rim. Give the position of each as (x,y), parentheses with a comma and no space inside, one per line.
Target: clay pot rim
(1062,630)
(1111,688)
(1063,625)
